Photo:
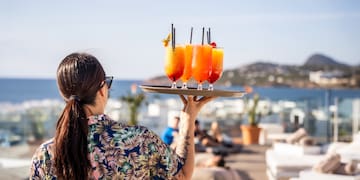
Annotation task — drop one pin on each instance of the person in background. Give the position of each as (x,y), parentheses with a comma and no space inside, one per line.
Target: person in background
(88,144)
(216,133)
(203,138)
(171,131)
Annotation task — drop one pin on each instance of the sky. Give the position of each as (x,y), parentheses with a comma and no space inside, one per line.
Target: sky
(126,35)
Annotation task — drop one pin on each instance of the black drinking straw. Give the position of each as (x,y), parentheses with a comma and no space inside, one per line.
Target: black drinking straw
(174,40)
(191,32)
(209,36)
(172,36)
(202,40)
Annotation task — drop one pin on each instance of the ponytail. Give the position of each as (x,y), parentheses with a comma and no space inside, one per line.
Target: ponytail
(79,78)
(71,153)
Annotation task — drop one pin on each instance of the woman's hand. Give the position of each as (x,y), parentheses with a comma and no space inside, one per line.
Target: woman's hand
(193,105)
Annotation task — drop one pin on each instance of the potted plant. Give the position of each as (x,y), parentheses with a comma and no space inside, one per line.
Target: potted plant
(251,132)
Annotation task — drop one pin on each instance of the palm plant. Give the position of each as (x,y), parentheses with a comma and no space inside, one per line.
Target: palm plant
(134,102)
(252,111)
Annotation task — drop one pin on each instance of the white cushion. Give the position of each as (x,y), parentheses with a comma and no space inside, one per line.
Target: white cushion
(350,152)
(305,175)
(347,151)
(294,149)
(282,165)
(334,147)
(356,138)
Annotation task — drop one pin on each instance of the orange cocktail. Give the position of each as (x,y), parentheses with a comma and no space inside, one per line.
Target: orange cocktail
(216,67)
(201,65)
(174,63)
(188,65)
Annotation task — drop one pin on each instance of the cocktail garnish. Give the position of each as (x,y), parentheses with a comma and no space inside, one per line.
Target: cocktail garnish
(213,44)
(166,40)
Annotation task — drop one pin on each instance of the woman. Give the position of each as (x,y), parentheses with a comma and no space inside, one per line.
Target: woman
(89,145)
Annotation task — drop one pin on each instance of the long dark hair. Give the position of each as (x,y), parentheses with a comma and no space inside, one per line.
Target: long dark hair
(79,77)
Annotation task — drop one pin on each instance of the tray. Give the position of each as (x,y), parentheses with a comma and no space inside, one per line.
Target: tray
(191,91)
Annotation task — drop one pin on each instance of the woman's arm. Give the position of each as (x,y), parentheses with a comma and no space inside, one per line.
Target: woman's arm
(185,145)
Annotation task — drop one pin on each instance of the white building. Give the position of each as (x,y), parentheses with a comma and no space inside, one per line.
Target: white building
(329,78)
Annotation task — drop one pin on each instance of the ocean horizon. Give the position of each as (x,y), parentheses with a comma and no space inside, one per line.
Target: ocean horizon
(17,90)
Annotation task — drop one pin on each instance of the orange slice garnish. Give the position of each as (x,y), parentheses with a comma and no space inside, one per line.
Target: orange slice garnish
(166,40)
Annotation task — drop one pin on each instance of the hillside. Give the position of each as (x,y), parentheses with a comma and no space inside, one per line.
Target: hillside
(272,74)
(322,62)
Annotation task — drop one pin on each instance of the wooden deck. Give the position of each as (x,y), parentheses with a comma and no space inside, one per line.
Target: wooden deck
(250,163)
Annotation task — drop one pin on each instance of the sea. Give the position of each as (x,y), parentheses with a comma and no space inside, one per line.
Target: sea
(20,90)
(22,93)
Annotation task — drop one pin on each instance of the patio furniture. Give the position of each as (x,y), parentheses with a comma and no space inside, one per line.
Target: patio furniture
(310,174)
(286,161)
(284,166)
(268,130)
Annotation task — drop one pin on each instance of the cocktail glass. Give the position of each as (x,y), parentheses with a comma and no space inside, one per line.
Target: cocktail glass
(187,66)
(201,65)
(216,66)
(174,63)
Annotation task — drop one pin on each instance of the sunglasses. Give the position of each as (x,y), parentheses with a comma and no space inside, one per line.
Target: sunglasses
(108,81)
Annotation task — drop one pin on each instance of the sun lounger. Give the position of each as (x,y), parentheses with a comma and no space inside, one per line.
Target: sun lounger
(305,175)
(348,168)
(286,163)
(348,153)
(267,130)
(284,166)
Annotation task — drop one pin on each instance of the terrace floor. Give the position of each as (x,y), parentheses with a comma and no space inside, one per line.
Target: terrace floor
(250,163)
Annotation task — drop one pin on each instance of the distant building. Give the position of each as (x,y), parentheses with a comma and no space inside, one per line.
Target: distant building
(333,78)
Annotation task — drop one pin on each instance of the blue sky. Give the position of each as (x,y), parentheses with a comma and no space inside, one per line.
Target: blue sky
(126,35)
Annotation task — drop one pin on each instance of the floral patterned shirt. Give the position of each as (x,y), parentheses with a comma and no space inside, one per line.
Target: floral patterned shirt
(116,151)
